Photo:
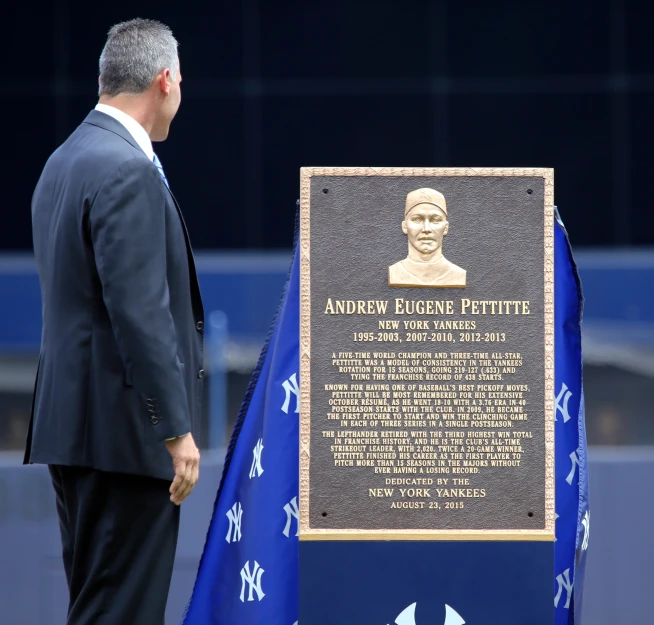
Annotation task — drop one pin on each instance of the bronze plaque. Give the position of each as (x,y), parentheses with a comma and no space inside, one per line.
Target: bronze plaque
(426,354)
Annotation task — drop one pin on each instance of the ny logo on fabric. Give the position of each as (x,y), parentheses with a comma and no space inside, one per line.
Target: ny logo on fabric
(563,581)
(574,459)
(291,388)
(408,616)
(256,469)
(564,395)
(292,512)
(234,515)
(253,581)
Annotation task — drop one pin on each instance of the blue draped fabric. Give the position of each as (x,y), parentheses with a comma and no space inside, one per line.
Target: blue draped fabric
(571,463)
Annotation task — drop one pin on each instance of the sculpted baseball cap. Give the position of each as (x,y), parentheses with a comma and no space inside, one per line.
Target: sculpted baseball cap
(425,196)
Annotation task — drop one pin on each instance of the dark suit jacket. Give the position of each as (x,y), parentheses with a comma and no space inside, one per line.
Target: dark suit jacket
(120,368)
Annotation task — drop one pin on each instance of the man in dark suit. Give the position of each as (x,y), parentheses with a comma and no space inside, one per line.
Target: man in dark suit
(119,384)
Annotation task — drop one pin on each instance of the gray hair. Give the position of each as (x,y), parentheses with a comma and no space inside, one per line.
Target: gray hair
(135,52)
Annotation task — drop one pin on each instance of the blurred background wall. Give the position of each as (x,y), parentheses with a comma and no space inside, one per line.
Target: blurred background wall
(273,85)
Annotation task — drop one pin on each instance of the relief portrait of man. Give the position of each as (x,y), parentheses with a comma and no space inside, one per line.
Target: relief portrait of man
(425,224)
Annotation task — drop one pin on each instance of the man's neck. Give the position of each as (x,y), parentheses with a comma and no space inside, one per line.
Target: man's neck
(134,106)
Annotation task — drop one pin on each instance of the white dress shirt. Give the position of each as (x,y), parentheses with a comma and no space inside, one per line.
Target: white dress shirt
(133,127)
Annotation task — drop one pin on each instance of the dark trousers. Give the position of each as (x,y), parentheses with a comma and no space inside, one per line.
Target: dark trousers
(119,535)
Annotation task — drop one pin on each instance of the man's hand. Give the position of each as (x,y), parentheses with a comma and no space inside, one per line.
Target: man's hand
(186,462)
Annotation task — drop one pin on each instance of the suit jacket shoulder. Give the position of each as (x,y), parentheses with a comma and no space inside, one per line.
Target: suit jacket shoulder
(94,151)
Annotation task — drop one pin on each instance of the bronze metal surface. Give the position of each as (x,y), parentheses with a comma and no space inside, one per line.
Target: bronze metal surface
(481,221)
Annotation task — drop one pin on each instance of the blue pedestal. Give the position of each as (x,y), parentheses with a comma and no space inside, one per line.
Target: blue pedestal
(372,583)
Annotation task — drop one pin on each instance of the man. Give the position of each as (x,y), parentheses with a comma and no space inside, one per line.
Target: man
(425,224)
(119,382)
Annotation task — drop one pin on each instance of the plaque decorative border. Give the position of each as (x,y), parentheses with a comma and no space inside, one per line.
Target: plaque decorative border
(308,533)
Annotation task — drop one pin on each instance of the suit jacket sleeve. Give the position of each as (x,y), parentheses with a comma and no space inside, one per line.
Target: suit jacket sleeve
(128,231)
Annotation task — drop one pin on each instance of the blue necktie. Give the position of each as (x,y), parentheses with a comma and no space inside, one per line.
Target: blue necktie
(157,162)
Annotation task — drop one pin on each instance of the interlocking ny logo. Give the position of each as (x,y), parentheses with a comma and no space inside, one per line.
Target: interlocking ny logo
(234,515)
(292,512)
(256,469)
(574,459)
(253,581)
(563,581)
(291,388)
(408,616)
(564,395)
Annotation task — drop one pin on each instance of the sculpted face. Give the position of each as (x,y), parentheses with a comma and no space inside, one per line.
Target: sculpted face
(425,225)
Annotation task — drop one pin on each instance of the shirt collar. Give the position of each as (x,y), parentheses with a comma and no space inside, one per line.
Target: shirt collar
(133,127)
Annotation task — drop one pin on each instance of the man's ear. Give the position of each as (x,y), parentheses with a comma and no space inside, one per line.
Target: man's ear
(164,81)
(404,227)
(447,227)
